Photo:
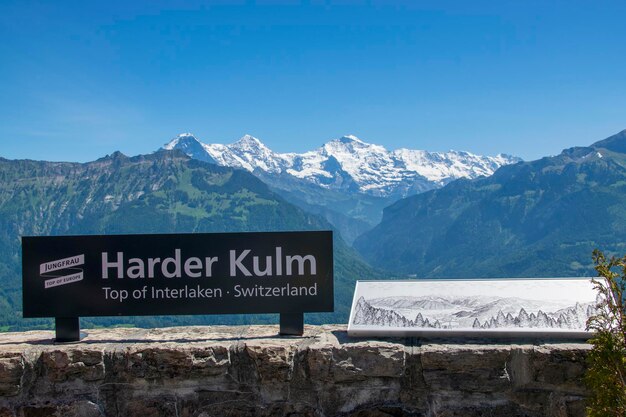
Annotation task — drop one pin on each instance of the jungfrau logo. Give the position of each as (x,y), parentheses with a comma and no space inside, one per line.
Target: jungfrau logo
(62,271)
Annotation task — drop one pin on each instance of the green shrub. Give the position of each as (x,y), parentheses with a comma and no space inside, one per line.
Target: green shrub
(606,373)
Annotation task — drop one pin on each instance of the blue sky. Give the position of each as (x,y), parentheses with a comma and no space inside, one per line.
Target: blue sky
(79,80)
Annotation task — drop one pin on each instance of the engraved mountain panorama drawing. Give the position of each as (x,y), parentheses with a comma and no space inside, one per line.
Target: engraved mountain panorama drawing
(475,305)
(462,313)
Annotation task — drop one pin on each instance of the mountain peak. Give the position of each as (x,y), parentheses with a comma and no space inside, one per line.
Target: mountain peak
(183,138)
(349,139)
(190,145)
(248,139)
(615,143)
(186,135)
(249,142)
(115,156)
(348,142)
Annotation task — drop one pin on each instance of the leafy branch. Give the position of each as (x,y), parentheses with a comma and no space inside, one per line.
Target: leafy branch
(606,373)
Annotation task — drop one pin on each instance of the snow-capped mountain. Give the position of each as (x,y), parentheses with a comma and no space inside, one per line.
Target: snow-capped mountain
(348,164)
(347,180)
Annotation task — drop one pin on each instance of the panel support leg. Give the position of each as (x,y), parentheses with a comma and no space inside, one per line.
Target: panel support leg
(67,329)
(291,324)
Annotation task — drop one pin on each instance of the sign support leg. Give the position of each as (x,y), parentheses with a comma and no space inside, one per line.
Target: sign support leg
(67,329)
(291,324)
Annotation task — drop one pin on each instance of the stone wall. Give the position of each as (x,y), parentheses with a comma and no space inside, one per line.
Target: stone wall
(250,371)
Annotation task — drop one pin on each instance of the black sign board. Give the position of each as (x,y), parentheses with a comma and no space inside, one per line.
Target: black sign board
(216,273)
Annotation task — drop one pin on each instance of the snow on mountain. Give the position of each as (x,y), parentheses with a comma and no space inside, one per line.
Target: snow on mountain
(440,167)
(348,163)
(187,143)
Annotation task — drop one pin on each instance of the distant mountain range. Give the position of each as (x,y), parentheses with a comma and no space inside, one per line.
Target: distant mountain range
(531,219)
(535,219)
(349,164)
(346,180)
(166,192)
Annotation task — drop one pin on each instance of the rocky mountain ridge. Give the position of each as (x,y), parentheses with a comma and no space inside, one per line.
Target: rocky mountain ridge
(348,164)
(164,192)
(532,219)
(347,181)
